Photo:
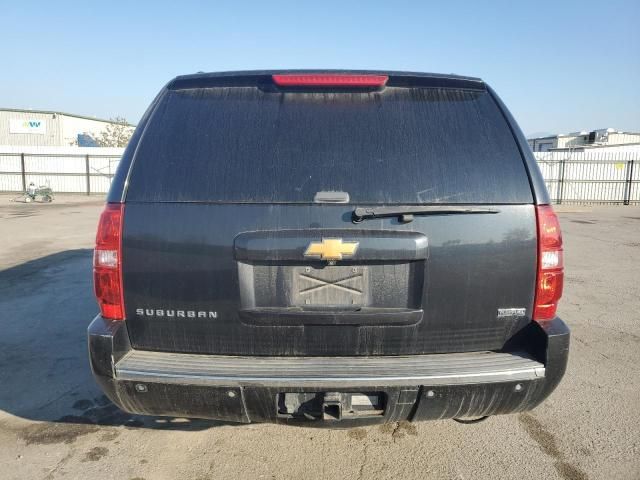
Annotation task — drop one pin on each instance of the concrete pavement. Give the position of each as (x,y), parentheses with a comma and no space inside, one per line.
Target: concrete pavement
(54,421)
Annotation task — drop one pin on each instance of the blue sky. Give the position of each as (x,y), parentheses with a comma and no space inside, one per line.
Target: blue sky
(558,67)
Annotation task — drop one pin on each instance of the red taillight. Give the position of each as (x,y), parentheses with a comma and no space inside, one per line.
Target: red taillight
(107,262)
(550,264)
(329,80)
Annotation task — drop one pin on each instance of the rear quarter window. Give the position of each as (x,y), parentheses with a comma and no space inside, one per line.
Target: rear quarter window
(397,146)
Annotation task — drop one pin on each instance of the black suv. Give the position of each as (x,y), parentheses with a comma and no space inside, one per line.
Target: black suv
(328,248)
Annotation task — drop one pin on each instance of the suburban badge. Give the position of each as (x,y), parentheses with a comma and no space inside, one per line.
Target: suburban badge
(511,312)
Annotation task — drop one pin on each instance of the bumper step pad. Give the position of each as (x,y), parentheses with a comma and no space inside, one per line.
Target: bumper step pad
(327,372)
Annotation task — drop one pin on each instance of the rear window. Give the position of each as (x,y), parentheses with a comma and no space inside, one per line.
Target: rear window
(397,146)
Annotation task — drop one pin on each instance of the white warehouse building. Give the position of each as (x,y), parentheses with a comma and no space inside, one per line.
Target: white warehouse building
(37,128)
(602,138)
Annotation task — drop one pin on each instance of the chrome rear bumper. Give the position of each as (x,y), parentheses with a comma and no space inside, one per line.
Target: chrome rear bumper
(248,389)
(327,372)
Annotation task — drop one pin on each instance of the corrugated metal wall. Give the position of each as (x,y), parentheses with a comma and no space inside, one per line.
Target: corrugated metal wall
(59,129)
(571,177)
(88,171)
(591,176)
(52,135)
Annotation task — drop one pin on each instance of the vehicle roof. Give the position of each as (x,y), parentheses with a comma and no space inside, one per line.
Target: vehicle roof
(255,77)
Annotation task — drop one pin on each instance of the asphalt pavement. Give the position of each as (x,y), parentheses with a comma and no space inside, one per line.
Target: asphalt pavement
(55,422)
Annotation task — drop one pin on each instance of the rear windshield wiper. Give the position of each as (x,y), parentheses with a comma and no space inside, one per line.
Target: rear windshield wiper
(406,214)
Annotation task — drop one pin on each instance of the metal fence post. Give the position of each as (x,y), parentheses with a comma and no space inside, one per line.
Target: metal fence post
(628,183)
(86,161)
(561,181)
(23,172)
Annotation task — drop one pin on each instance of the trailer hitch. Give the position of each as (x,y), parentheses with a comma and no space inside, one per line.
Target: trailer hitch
(332,406)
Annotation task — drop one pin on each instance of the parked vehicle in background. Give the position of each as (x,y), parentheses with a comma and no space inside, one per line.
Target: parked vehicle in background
(328,249)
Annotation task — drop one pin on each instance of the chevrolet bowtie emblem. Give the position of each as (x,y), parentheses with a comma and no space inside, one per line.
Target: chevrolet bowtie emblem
(331,249)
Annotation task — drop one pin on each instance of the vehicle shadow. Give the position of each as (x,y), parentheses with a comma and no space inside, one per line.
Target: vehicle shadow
(45,307)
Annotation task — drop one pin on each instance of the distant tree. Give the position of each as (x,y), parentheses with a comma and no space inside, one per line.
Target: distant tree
(117,133)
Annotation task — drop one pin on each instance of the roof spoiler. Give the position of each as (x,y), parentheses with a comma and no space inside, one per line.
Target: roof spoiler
(264,79)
